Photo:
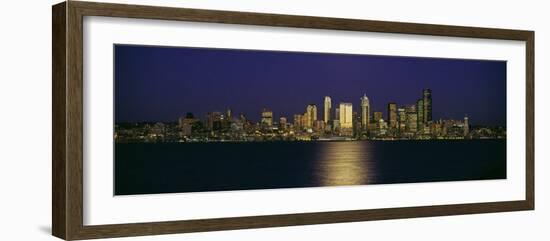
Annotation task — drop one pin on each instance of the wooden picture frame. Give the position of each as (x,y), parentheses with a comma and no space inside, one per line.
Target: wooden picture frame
(67,150)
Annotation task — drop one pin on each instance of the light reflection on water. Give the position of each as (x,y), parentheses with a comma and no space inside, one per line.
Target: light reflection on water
(345,163)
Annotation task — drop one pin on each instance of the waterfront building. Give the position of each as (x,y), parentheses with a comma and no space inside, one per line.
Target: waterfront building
(305,121)
(319,126)
(346,119)
(336,125)
(186,123)
(327,110)
(392,115)
(466,126)
(401,118)
(298,122)
(267,118)
(365,112)
(420,112)
(411,125)
(427,101)
(382,127)
(214,121)
(282,123)
(311,112)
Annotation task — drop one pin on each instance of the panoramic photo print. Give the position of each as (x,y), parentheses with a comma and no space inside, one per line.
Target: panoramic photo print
(208,119)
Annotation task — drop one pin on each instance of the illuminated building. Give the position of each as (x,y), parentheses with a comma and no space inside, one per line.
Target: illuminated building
(214,121)
(298,122)
(336,125)
(304,121)
(311,113)
(382,127)
(412,119)
(365,112)
(427,99)
(377,116)
(186,124)
(267,118)
(401,118)
(392,115)
(282,123)
(420,112)
(328,108)
(319,125)
(346,118)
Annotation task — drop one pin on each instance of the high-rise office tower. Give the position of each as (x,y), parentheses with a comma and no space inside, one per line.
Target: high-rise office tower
(420,112)
(214,121)
(392,115)
(305,120)
(267,118)
(427,98)
(328,108)
(282,123)
(412,119)
(401,118)
(365,112)
(298,122)
(311,112)
(346,115)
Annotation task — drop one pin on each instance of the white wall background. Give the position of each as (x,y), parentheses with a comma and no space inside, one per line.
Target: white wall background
(25,120)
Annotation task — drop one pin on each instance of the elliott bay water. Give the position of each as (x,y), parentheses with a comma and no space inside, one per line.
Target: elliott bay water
(148,168)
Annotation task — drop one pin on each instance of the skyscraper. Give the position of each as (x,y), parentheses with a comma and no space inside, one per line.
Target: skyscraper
(298,122)
(420,112)
(328,108)
(402,118)
(282,123)
(214,121)
(346,119)
(346,115)
(392,115)
(365,112)
(412,119)
(427,98)
(267,118)
(311,113)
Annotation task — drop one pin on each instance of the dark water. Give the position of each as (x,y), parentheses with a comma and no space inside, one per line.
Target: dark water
(144,168)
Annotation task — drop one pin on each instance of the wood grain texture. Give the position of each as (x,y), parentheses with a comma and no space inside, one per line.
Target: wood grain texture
(74,121)
(530,120)
(58,121)
(67,196)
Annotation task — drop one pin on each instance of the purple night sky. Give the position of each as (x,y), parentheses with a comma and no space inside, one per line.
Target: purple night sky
(163,83)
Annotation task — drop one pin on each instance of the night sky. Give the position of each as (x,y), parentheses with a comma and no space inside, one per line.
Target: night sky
(163,83)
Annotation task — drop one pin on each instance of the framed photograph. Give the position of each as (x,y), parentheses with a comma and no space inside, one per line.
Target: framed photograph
(171,120)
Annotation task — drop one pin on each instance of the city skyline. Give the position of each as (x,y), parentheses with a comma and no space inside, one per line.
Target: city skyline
(163,102)
(405,122)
